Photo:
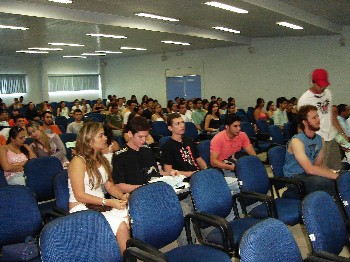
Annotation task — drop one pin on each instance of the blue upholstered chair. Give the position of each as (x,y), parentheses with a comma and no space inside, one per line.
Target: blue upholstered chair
(324,223)
(259,146)
(214,203)
(254,182)
(277,135)
(3,181)
(157,220)
(68,137)
(159,129)
(61,120)
(162,141)
(277,156)
(204,151)
(191,131)
(19,215)
(61,191)
(343,188)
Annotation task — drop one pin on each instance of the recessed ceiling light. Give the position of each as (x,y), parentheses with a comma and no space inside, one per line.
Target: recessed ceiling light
(65,44)
(32,52)
(157,17)
(45,49)
(133,48)
(92,54)
(289,25)
(13,27)
(226,29)
(109,52)
(227,7)
(74,56)
(62,1)
(175,43)
(108,36)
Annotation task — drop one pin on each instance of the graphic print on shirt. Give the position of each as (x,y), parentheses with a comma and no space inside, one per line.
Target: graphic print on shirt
(187,156)
(323,107)
(313,149)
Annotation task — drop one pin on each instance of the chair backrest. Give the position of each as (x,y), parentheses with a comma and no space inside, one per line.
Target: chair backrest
(163,140)
(101,117)
(81,236)
(248,129)
(3,181)
(269,240)
(202,194)
(19,215)
(277,157)
(61,120)
(262,126)
(61,191)
(343,188)
(121,141)
(252,175)
(204,151)
(156,214)
(276,135)
(244,117)
(324,223)
(160,128)
(191,131)
(39,173)
(288,130)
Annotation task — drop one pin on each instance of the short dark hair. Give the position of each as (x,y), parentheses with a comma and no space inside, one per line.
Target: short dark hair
(341,108)
(17,117)
(230,118)
(281,100)
(47,112)
(197,100)
(302,114)
(137,124)
(77,111)
(149,100)
(171,117)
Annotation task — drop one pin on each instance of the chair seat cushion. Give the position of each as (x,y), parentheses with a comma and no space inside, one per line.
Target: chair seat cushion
(196,253)
(238,227)
(289,211)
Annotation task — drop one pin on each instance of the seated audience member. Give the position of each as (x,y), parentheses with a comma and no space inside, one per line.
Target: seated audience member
(259,111)
(16,104)
(280,116)
(180,153)
(294,101)
(205,105)
(148,111)
(149,139)
(88,172)
(44,107)
(86,106)
(46,144)
(75,126)
(213,99)
(114,121)
(270,110)
(343,116)
(158,113)
(198,114)
(21,122)
(98,107)
(63,110)
(133,98)
(4,123)
(127,111)
(14,155)
(15,114)
(305,153)
(182,108)
(292,114)
(2,104)
(48,125)
(231,109)
(112,145)
(227,143)
(168,106)
(212,120)
(120,104)
(135,164)
(31,113)
(77,105)
(223,108)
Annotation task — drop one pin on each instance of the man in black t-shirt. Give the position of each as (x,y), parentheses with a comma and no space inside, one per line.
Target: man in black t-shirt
(180,153)
(135,164)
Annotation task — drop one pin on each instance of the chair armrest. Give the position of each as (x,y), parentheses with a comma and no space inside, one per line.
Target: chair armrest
(61,211)
(290,181)
(218,222)
(267,200)
(134,252)
(325,256)
(134,242)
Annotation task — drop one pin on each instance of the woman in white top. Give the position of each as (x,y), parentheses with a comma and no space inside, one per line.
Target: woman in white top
(88,172)
(62,110)
(112,146)
(86,106)
(158,113)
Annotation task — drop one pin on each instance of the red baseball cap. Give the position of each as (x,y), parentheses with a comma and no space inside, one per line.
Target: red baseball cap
(320,77)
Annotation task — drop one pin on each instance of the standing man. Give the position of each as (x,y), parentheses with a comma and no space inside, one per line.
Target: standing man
(225,144)
(321,97)
(180,153)
(305,154)
(75,126)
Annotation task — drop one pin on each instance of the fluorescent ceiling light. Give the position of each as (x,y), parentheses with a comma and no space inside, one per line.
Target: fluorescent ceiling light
(92,54)
(109,52)
(74,56)
(175,43)
(226,29)
(289,25)
(133,48)
(45,49)
(62,1)
(65,44)
(32,52)
(227,7)
(13,27)
(157,17)
(108,36)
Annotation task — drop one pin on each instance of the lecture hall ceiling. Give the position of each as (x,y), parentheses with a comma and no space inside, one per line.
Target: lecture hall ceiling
(50,22)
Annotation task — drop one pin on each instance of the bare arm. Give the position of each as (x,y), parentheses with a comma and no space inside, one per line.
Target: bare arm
(201,163)
(169,171)
(30,151)
(250,150)
(296,147)
(5,165)
(126,188)
(215,162)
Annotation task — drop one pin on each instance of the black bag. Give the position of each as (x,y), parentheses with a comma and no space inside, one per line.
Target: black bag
(98,208)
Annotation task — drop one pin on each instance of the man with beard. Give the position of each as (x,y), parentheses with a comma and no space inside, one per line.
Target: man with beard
(305,153)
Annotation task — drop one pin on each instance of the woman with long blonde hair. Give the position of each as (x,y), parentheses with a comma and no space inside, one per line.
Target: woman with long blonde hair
(88,171)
